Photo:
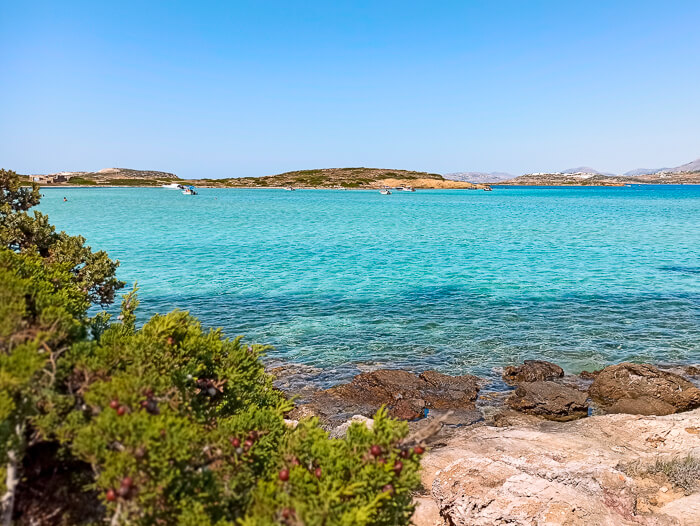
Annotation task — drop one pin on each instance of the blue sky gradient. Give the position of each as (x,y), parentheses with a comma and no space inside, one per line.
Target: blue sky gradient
(222,89)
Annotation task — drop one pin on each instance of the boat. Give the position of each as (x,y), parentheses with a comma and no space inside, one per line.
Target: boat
(488,189)
(289,188)
(173,186)
(408,189)
(385,191)
(189,190)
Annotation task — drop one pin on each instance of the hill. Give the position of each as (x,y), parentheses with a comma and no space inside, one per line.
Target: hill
(108,177)
(582,170)
(342,178)
(563,179)
(693,166)
(479,177)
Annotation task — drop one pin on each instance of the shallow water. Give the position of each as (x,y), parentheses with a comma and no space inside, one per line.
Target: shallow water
(459,281)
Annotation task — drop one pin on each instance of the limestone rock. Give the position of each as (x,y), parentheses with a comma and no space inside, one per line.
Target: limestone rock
(554,473)
(643,389)
(549,400)
(532,371)
(342,429)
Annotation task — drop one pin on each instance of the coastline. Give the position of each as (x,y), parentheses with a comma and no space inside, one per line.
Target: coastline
(552,448)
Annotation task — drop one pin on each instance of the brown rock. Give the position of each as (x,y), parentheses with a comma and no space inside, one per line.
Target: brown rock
(406,395)
(532,371)
(692,370)
(643,389)
(549,400)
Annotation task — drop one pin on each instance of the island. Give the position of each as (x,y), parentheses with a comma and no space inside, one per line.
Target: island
(340,178)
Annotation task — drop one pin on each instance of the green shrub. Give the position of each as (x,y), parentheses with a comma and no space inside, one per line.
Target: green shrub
(81,181)
(178,424)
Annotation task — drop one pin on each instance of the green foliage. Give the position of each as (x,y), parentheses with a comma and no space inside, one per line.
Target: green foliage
(178,424)
(15,196)
(340,481)
(93,272)
(134,182)
(81,181)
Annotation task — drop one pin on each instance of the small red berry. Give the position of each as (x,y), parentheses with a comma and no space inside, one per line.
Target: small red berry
(111,495)
(405,453)
(114,404)
(287,513)
(127,482)
(375,450)
(236,442)
(284,475)
(398,466)
(318,473)
(170,340)
(388,488)
(419,450)
(124,491)
(121,411)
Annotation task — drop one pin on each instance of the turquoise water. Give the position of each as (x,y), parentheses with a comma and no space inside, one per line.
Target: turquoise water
(459,281)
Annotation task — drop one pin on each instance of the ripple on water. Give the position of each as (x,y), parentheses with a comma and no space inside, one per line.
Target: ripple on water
(457,281)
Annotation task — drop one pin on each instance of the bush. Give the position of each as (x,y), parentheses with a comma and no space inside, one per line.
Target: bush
(178,424)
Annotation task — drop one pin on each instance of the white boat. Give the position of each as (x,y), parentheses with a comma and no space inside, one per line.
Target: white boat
(173,186)
(408,189)
(385,191)
(289,188)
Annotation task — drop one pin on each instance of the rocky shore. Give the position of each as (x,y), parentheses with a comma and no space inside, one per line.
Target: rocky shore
(617,446)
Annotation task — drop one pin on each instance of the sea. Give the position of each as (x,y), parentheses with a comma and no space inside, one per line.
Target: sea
(461,281)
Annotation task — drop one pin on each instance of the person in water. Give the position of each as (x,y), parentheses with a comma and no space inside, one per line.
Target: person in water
(64,199)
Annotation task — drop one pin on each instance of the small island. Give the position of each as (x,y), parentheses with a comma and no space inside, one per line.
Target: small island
(339,178)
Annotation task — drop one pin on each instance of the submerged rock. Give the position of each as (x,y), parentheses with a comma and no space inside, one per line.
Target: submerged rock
(549,400)
(532,371)
(643,389)
(406,395)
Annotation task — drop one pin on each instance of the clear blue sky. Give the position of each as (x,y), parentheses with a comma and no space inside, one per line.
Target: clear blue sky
(254,88)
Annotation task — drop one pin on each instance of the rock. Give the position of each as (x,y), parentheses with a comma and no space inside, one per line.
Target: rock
(554,473)
(644,405)
(406,395)
(692,370)
(643,389)
(342,429)
(532,371)
(549,400)
(588,375)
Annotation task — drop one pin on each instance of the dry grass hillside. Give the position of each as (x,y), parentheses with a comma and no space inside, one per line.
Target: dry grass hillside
(343,178)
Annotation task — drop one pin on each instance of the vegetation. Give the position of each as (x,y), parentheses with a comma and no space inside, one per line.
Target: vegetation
(682,472)
(167,423)
(81,181)
(332,177)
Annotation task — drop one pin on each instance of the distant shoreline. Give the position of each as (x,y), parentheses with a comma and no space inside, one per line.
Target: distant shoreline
(501,185)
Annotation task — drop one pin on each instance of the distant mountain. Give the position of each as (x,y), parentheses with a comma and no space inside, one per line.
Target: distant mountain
(693,166)
(479,177)
(579,177)
(583,170)
(645,171)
